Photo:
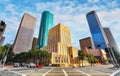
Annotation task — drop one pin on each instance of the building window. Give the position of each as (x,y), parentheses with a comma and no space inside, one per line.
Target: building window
(98,45)
(65,60)
(62,60)
(56,59)
(89,47)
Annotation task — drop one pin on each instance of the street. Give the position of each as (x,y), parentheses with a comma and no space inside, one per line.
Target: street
(98,70)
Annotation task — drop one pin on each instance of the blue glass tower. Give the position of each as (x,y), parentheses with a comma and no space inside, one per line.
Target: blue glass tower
(98,35)
(45,25)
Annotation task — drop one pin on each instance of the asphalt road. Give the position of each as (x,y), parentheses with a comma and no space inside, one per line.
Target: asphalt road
(100,70)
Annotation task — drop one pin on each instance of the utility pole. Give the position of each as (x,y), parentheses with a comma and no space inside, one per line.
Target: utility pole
(4,58)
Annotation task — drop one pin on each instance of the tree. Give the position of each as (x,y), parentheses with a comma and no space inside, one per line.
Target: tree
(33,56)
(1,51)
(91,58)
(6,50)
(44,57)
(81,56)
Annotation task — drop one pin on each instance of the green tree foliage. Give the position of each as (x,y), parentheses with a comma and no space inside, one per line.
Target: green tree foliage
(104,60)
(1,51)
(36,56)
(6,50)
(90,58)
(87,56)
(81,55)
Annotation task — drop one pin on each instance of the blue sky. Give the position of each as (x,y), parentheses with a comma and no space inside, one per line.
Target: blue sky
(71,13)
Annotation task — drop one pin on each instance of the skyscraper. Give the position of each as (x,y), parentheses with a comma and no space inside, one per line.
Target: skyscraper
(2,30)
(24,37)
(2,40)
(46,24)
(115,53)
(34,43)
(101,38)
(98,35)
(110,38)
(86,43)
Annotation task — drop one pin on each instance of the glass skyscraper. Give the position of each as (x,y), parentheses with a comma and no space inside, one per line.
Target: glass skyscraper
(46,24)
(98,35)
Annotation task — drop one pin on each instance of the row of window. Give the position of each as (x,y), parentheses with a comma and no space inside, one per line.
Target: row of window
(60,60)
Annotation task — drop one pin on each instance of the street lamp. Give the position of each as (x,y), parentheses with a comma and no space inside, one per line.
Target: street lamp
(5,55)
(82,60)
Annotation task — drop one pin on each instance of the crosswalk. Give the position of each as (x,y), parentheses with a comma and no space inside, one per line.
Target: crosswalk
(63,72)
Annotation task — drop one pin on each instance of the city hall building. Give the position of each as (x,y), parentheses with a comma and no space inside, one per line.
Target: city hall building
(60,47)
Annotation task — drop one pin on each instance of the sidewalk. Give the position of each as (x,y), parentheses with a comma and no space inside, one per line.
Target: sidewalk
(11,67)
(6,71)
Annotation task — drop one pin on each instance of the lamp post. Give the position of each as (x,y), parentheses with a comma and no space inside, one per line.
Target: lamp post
(5,55)
(82,60)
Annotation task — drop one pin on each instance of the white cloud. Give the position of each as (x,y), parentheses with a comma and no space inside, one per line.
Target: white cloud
(11,8)
(111,19)
(112,3)
(72,16)
(77,22)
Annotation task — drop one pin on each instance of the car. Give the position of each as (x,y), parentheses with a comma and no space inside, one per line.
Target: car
(31,65)
(38,66)
(16,64)
(23,64)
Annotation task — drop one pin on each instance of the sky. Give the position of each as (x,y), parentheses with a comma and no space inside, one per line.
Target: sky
(71,13)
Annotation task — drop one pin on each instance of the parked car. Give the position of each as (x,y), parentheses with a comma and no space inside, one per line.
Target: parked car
(23,64)
(16,64)
(31,65)
(38,66)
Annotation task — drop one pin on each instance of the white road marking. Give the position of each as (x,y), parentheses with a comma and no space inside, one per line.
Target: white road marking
(65,72)
(82,72)
(18,73)
(113,74)
(27,72)
(47,72)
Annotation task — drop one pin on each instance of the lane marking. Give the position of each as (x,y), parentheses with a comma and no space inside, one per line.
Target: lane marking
(82,72)
(64,72)
(18,73)
(47,72)
(113,74)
